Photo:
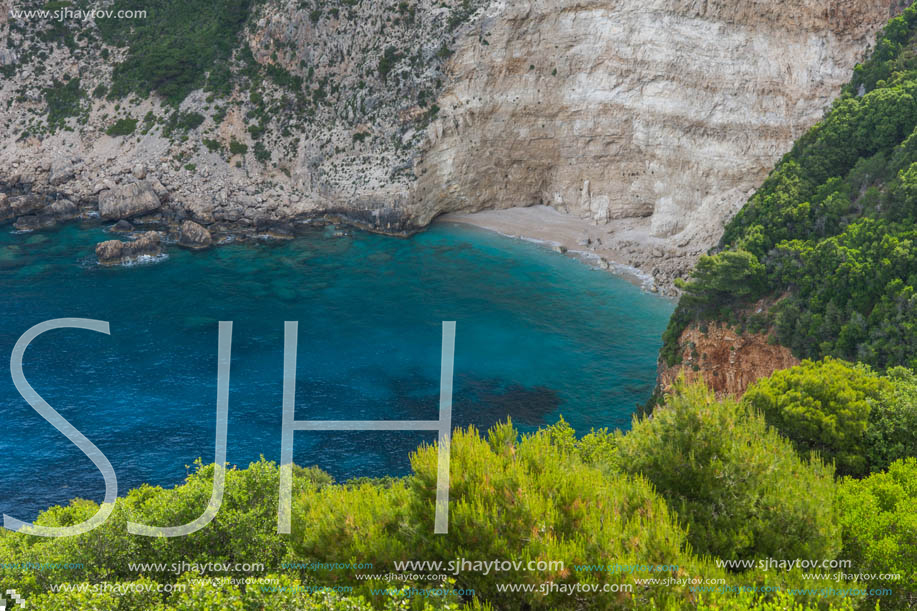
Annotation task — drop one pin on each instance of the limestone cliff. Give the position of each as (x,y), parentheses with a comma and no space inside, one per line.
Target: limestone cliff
(667,110)
(652,118)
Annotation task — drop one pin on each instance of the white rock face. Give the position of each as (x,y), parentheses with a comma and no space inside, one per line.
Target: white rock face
(616,109)
(650,120)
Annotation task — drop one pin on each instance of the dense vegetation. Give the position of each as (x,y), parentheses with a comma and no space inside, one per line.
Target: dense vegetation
(880,525)
(847,414)
(828,242)
(717,464)
(703,479)
(175,47)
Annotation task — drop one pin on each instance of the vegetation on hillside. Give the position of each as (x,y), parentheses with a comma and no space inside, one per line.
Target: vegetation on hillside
(829,238)
(172,50)
(700,481)
(847,414)
(717,464)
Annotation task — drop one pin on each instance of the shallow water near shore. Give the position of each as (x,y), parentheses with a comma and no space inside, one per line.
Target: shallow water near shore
(539,335)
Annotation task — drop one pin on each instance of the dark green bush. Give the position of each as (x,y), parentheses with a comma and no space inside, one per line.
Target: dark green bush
(237,148)
(122,127)
(892,432)
(261,153)
(823,407)
(64,101)
(742,490)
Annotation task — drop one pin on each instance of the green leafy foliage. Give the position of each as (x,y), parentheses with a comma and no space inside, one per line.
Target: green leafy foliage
(387,62)
(171,51)
(122,127)
(64,101)
(833,227)
(823,407)
(182,121)
(237,148)
(892,432)
(545,496)
(880,528)
(525,500)
(742,490)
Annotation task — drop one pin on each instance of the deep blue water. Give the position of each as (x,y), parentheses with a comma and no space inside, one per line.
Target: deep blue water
(539,335)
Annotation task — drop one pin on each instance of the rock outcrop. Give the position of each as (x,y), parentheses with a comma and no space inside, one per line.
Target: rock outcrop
(128,201)
(654,119)
(49,216)
(727,361)
(194,236)
(116,252)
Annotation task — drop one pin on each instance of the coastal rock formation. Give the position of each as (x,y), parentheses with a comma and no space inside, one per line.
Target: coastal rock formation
(58,212)
(727,361)
(671,111)
(128,201)
(194,236)
(652,120)
(116,252)
(19,205)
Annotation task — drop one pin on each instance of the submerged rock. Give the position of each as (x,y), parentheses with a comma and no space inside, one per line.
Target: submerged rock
(20,205)
(128,201)
(116,252)
(194,236)
(122,227)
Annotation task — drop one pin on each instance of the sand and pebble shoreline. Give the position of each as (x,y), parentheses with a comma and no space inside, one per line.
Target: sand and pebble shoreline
(612,247)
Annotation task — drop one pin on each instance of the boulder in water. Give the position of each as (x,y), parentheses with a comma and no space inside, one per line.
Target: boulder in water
(194,236)
(116,252)
(128,201)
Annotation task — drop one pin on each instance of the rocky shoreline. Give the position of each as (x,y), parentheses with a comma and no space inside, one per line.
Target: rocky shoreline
(147,215)
(146,212)
(144,209)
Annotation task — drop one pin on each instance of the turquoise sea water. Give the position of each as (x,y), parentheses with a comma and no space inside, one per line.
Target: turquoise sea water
(539,335)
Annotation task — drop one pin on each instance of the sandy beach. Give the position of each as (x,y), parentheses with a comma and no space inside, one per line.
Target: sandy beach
(623,247)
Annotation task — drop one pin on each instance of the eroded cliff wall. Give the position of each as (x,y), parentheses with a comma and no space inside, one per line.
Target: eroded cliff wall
(651,118)
(670,111)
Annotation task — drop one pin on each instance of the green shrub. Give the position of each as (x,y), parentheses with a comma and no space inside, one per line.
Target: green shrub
(249,507)
(880,529)
(237,148)
(212,145)
(64,100)
(522,500)
(183,122)
(780,600)
(822,407)
(122,127)
(892,432)
(261,153)
(740,487)
(387,62)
